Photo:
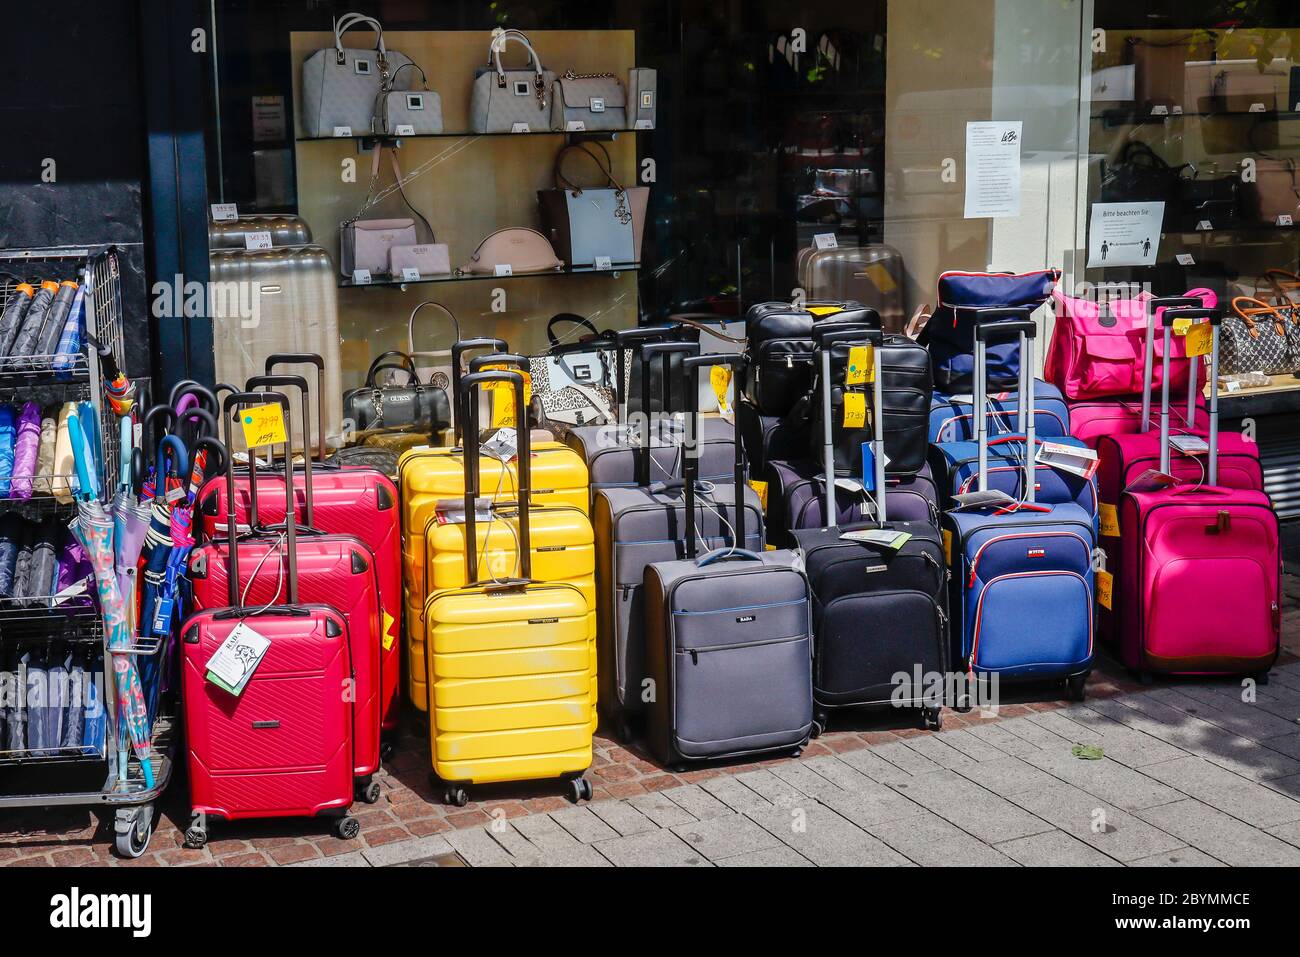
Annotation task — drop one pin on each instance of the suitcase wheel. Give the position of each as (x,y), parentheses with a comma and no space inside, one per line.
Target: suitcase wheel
(579,790)
(133,827)
(1075,687)
(455,796)
(370,792)
(820,721)
(1261,678)
(347,828)
(386,750)
(932,717)
(196,835)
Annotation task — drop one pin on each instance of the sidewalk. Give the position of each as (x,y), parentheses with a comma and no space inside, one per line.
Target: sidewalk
(1191,774)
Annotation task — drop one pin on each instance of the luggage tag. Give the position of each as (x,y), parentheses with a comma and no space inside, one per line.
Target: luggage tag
(855,410)
(163,610)
(1105,588)
(451,511)
(720,379)
(1189,444)
(884,537)
(992,498)
(1152,480)
(503,446)
(1108,519)
(1200,339)
(862,366)
(1068,458)
(760,489)
(868,467)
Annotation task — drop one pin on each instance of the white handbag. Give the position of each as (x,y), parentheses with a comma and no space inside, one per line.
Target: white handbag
(341,85)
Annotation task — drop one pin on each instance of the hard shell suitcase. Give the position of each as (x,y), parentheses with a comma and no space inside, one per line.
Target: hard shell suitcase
(351,500)
(879,623)
(1199,588)
(294,293)
(728,640)
(509,662)
(1021,577)
(1124,457)
(952,418)
(634,527)
(284,229)
(283,747)
(871,275)
(339,570)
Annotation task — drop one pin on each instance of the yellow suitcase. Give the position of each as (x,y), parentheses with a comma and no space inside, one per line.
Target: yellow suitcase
(510,664)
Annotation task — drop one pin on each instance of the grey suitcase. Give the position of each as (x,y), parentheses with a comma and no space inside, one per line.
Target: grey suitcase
(728,639)
(274,301)
(635,526)
(872,275)
(285,230)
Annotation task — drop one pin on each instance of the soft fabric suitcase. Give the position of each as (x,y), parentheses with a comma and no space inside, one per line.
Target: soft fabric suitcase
(292,308)
(768,438)
(1090,419)
(1021,577)
(1198,591)
(509,661)
(952,418)
(958,465)
(728,639)
(634,527)
(796,499)
(872,275)
(283,747)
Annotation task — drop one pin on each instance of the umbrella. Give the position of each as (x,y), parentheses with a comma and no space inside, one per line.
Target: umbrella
(182,545)
(130,523)
(156,551)
(93,527)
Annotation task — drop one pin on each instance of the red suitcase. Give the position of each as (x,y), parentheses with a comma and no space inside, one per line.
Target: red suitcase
(334,569)
(283,746)
(353,500)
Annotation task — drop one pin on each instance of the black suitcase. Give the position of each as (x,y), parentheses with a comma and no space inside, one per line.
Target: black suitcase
(779,357)
(728,640)
(768,438)
(878,611)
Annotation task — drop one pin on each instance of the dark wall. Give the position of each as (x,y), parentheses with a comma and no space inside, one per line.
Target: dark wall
(72,94)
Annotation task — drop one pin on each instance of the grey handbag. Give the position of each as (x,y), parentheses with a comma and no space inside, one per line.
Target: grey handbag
(510,101)
(588,224)
(642,95)
(588,101)
(340,85)
(408,112)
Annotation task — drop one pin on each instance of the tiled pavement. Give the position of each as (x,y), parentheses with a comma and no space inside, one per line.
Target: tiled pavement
(1191,774)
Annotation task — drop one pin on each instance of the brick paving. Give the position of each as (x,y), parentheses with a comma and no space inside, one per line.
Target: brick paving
(1191,775)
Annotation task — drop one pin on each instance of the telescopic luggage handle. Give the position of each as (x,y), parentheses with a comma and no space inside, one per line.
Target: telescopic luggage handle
(290,526)
(1000,323)
(1153,306)
(458,350)
(297,382)
(1168,319)
(826,338)
(634,339)
(306,358)
(691,366)
(647,353)
(471,383)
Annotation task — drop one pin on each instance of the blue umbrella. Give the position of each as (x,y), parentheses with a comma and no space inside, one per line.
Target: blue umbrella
(155,613)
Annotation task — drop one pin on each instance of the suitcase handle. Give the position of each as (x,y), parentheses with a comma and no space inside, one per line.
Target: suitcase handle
(1001,322)
(646,354)
(1215,317)
(826,339)
(629,339)
(458,349)
(217,391)
(691,366)
(290,525)
(1154,305)
(297,382)
(727,555)
(471,384)
(306,358)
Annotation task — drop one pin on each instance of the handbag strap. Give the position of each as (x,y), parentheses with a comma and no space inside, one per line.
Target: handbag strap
(569,317)
(1248,308)
(407,363)
(690,319)
(397,173)
(377,367)
(410,330)
(350,20)
(606,167)
(424,77)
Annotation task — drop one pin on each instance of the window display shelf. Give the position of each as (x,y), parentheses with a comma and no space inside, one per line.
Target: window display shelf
(1282,395)
(575,135)
(1128,116)
(612,272)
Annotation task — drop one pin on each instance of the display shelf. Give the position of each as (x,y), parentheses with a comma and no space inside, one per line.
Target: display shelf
(370,138)
(1134,117)
(1282,395)
(613,272)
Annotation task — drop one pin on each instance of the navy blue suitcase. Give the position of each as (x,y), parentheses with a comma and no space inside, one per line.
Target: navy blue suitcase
(951,419)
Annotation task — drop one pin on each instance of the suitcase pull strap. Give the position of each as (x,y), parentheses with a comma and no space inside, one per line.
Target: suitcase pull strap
(297,382)
(851,333)
(1168,318)
(647,354)
(999,323)
(1153,306)
(691,366)
(471,384)
(728,555)
(458,350)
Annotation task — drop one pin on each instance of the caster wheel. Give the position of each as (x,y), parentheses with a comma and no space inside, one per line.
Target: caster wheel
(579,790)
(347,828)
(1261,678)
(133,832)
(1145,678)
(817,728)
(371,792)
(963,704)
(932,718)
(387,750)
(1076,687)
(196,837)
(624,731)
(456,797)
(796,752)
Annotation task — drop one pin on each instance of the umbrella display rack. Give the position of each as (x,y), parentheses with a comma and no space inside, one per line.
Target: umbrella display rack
(84,775)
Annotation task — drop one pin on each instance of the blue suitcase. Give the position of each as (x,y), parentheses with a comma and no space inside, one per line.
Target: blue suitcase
(951,419)
(1021,576)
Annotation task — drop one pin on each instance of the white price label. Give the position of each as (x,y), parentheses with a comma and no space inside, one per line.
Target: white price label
(1285,220)
(257,240)
(406,129)
(224,212)
(1256,108)
(575,126)
(1159,110)
(361,277)
(604,262)
(342,131)
(644,125)
(1176,111)
(826,241)
(503,269)
(1185,259)
(410,274)
(520,128)
(1205,224)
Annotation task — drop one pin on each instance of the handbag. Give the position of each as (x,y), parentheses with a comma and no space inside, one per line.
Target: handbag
(515,249)
(408,112)
(371,243)
(508,101)
(719,335)
(1259,337)
(588,101)
(642,95)
(340,85)
(1160,71)
(1140,175)
(575,380)
(409,407)
(585,223)
(433,366)
(1275,192)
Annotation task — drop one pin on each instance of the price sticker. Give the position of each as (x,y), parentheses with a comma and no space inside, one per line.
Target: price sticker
(361,277)
(947,546)
(862,365)
(257,240)
(855,410)
(575,126)
(224,212)
(1200,338)
(410,274)
(405,129)
(1159,110)
(342,131)
(263,425)
(1285,220)
(720,379)
(1181,326)
(503,269)
(825,241)
(644,125)
(1108,516)
(604,262)
(1205,224)
(502,396)
(1185,259)
(760,489)
(1105,588)
(390,632)
(520,128)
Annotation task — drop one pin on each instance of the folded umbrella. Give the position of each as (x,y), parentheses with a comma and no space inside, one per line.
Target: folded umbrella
(10,532)
(45,456)
(8,428)
(27,441)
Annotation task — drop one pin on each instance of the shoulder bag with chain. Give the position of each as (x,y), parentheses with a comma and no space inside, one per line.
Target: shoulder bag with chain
(389,246)
(588,101)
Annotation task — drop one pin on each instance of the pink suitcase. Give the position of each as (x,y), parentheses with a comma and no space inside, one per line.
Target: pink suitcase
(334,569)
(1090,419)
(1199,589)
(283,746)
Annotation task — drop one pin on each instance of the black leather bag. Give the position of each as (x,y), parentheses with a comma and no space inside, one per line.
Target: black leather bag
(1140,175)
(412,407)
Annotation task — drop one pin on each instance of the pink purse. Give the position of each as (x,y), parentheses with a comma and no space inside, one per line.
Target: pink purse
(522,249)
(1098,349)
(386,246)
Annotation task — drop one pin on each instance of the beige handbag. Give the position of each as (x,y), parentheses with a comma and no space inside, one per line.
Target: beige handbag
(513,250)
(385,246)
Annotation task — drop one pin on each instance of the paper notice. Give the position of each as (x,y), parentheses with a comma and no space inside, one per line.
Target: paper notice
(993,169)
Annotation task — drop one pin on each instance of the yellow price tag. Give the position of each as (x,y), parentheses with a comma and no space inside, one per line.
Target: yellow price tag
(1199,339)
(1108,516)
(390,634)
(862,365)
(720,379)
(855,410)
(947,546)
(263,425)
(502,396)
(1181,326)
(880,278)
(1105,588)
(824,310)
(760,489)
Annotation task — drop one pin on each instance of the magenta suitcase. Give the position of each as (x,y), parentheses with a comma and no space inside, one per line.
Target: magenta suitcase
(283,746)
(1199,589)
(1090,419)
